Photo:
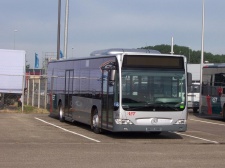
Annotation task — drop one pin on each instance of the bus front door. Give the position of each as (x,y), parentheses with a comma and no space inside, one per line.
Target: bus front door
(68,92)
(107,101)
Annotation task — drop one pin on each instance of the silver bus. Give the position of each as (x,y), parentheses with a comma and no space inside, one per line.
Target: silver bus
(121,90)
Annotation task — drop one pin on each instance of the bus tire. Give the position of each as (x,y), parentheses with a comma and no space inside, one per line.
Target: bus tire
(61,114)
(95,122)
(195,109)
(223,112)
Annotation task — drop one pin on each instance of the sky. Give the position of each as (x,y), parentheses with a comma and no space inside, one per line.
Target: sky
(31,25)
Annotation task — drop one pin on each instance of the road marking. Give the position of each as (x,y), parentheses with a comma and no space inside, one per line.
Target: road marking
(208,122)
(215,142)
(67,130)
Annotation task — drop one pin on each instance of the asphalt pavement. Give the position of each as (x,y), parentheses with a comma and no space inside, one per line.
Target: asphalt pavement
(37,140)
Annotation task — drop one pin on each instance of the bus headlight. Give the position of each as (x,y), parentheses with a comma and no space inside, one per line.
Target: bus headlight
(182,121)
(123,121)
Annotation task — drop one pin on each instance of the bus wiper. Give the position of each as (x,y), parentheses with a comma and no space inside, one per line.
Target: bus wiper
(146,106)
(152,107)
(125,107)
(170,105)
(137,108)
(163,105)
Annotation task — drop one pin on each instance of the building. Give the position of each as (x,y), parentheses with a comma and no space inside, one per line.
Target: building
(195,70)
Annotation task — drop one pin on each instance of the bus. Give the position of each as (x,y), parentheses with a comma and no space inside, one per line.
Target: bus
(121,90)
(213,90)
(194,96)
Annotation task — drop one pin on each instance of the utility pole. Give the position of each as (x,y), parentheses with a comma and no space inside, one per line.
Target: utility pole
(202,55)
(189,55)
(14,39)
(66,29)
(172,46)
(58,32)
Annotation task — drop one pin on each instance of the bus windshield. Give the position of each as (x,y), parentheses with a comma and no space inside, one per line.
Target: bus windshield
(153,90)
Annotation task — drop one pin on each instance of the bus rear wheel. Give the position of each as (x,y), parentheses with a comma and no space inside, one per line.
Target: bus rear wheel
(95,122)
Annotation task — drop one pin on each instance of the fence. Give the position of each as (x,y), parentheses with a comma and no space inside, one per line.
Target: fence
(34,92)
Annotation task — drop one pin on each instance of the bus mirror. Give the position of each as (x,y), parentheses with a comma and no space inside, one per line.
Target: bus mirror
(112,75)
(189,79)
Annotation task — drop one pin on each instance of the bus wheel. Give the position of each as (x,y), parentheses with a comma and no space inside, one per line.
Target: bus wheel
(195,109)
(95,122)
(61,114)
(223,113)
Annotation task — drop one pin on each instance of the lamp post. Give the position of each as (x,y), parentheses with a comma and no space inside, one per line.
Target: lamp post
(189,55)
(72,52)
(66,28)
(14,39)
(202,54)
(58,31)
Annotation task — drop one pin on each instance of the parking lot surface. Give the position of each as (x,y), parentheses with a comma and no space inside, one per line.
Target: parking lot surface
(37,140)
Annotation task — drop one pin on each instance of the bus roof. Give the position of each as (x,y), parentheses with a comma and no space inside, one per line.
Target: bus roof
(114,51)
(214,65)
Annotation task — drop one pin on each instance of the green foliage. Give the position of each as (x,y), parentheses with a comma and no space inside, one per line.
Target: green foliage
(193,56)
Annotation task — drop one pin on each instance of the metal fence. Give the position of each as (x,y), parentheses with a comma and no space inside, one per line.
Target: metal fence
(32,92)
(36,91)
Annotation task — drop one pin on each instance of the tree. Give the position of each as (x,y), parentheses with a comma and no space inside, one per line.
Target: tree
(194,56)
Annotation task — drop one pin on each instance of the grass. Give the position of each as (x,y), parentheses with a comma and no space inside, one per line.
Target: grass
(31,109)
(26,109)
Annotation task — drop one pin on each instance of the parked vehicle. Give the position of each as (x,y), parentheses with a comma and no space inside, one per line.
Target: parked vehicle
(193,97)
(213,90)
(121,90)
(12,74)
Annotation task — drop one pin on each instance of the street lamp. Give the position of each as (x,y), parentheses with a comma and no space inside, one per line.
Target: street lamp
(189,55)
(58,30)
(14,38)
(72,52)
(202,54)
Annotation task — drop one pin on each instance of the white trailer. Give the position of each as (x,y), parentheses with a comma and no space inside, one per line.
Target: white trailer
(12,74)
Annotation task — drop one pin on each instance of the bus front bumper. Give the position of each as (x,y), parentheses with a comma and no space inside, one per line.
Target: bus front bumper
(152,128)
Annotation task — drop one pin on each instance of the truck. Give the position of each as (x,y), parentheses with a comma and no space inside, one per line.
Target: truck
(194,89)
(12,74)
(193,96)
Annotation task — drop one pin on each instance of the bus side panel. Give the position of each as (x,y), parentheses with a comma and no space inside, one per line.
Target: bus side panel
(213,81)
(82,108)
(206,107)
(56,80)
(216,105)
(212,105)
